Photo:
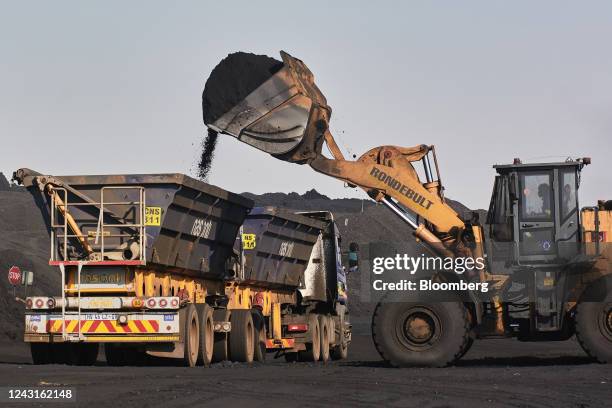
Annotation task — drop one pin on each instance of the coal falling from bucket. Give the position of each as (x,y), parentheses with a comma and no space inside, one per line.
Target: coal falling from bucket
(232,80)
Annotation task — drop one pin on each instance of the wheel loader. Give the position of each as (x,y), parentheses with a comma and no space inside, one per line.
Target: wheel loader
(547,262)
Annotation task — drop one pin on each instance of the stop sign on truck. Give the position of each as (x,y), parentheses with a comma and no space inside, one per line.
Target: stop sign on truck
(14,275)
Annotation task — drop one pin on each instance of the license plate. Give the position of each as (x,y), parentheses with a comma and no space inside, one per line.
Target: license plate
(100,316)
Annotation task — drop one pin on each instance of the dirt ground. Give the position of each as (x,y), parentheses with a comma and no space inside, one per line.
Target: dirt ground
(494,373)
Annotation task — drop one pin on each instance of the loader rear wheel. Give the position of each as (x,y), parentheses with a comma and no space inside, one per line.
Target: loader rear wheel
(207,334)
(313,349)
(221,343)
(41,353)
(594,321)
(242,336)
(191,336)
(420,334)
(259,325)
(324,327)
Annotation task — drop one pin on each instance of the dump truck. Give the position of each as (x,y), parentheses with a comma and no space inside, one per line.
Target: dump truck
(164,265)
(546,263)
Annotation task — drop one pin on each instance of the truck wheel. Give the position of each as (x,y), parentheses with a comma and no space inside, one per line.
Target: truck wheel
(467,347)
(313,350)
(594,321)
(221,343)
(115,355)
(340,351)
(41,353)
(324,327)
(420,334)
(259,323)
(191,336)
(241,338)
(207,334)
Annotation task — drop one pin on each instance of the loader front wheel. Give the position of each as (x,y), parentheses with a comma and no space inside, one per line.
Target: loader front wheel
(594,321)
(420,334)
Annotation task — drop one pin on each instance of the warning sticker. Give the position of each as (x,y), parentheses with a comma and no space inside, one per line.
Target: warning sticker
(248,241)
(153,216)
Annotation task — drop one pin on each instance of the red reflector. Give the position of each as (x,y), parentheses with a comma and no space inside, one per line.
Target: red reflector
(297,327)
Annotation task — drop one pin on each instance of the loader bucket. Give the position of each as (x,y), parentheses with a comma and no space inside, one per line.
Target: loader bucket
(277,115)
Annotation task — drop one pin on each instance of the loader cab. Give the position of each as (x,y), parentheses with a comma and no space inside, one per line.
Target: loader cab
(533,215)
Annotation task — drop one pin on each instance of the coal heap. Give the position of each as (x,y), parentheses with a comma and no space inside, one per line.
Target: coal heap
(232,80)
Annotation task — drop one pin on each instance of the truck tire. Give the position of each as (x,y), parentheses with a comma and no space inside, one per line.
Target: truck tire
(191,336)
(221,343)
(420,334)
(313,349)
(340,350)
(594,321)
(242,336)
(41,353)
(324,327)
(259,324)
(207,334)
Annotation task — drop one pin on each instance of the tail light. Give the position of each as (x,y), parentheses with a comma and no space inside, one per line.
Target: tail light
(163,303)
(174,302)
(137,303)
(29,303)
(297,327)
(51,303)
(151,303)
(39,303)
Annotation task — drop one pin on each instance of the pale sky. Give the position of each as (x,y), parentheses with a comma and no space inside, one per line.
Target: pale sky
(115,86)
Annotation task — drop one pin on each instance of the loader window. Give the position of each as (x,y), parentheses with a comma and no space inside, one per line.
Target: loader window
(536,196)
(568,193)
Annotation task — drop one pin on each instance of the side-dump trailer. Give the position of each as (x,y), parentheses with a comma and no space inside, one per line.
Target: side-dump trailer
(169,266)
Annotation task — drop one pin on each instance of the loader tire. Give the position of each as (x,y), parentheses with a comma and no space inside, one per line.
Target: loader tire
(420,334)
(313,349)
(191,336)
(259,325)
(324,326)
(41,353)
(207,334)
(221,340)
(593,321)
(242,336)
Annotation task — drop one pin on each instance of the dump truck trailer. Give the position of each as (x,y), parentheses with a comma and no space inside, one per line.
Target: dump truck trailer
(168,266)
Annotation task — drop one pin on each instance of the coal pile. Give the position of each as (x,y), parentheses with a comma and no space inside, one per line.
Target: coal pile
(24,242)
(232,80)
